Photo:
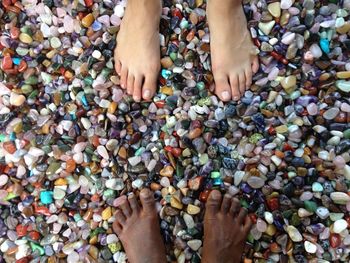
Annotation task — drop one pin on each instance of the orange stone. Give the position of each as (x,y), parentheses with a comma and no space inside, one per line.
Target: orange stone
(87,20)
(9,147)
(14,32)
(70,166)
(22,66)
(7,62)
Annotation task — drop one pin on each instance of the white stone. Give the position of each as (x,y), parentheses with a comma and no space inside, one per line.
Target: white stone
(339,226)
(103,152)
(119,11)
(268,217)
(194,244)
(294,234)
(310,247)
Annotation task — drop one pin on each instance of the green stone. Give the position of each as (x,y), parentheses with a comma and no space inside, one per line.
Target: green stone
(317,187)
(295,220)
(53,167)
(37,247)
(255,138)
(2,137)
(215,174)
(200,85)
(109,193)
(204,101)
(343,85)
(32,80)
(310,206)
(26,89)
(115,247)
(347,134)
(47,78)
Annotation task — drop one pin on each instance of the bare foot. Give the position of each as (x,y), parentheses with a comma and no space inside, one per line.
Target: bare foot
(137,55)
(226,226)
(231,49)
(138,228)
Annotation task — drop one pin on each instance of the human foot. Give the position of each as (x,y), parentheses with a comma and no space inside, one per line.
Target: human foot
(233,62)
(226,226)
(137,55)
(138,228)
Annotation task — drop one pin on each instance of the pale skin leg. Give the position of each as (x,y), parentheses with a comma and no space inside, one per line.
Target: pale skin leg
(233,62)
(137,55)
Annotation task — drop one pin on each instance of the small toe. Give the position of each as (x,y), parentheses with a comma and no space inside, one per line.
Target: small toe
(214,202)
(242,215)
(147,201)
(222,88)
(130,84)
(120,217)
(235,87)
(149,87)
(255,65)
(226,203)
(134,205)
(235,205)
(247,225)
(248,78)
(125,207)
(242,83)
(117,66)
(117,228)
(124,77)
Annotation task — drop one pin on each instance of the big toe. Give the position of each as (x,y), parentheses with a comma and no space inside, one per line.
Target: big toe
(149,87)
(222,88)
(214,202)
(147,201)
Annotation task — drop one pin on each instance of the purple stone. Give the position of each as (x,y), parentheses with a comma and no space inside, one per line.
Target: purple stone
(306,100)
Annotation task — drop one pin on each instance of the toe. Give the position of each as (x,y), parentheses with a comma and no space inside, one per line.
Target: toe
(123,77)
(125,207)
(242,85)
(118,66)
(147,201)
(120,217)
(130,84)
(234,206)
(117,228)
(255,65)
(248,78)
(222,88)
(248,223)
(235,87)
(213,203)
(149,87)
(242,215)
(226,203)
(138,86)
(134,205)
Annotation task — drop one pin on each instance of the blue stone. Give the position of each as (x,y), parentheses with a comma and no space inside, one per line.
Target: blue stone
(16,61)
(324,43)
(46,197)
(217,181)
(96,26)
(317,187)
(166,73)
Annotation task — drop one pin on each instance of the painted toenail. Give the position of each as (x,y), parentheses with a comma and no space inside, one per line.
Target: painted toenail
(146,94)
(225,95)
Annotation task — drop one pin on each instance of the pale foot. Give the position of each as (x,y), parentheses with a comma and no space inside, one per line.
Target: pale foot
(137,55)
(231,49)
(226,226)
(138,228)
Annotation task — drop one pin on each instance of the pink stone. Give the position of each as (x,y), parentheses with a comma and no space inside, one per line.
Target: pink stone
(273,73)
(339,162)
(68,24)
(345,107)
(312,109)
(261,225)
(115,20)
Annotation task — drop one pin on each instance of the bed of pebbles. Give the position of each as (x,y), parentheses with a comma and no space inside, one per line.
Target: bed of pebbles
(71,141)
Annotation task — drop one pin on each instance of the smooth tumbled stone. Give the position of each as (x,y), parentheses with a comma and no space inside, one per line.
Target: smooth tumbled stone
(3,179)
(285,4)
(255,182)
(331,113)
(322,212)
(310,247)
(317,187)
(289,82)
(340,198)
(275,9)
(17,99)
(194,244)
(343,85)
(25,38)
(339,226)
(315,51)
(55,42)
(103,152)
(294,234)
(266,27)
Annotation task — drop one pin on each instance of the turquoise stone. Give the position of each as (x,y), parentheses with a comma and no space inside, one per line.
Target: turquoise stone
(324,43)
(317,187)
(46,197)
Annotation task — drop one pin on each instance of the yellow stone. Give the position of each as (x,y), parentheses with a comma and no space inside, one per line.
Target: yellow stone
(289,82)
(167,171)
(88,20)
(51,53)
(343,74)
(61,181)
(112,107)
(107,213)
(344,29)
(46,128)
(18,127)
(47,63)
(275,9)
(166,90)
(175,203)
(193,209)
(281,129)
(93,240)
(270,230)
(25,38)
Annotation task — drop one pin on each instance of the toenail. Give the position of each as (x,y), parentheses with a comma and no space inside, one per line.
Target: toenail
(216,195)
(236,98)
(145,193)
(225,95)
(146,94)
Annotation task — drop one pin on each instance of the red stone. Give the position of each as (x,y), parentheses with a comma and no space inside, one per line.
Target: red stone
(22,66)
(287,147)
(7,62)
(176,152)
(176,12)
(334,240)
(168,148)
(253,217)
(204,195)
(276,55)
(89,3)
(273,203)
(160,104)
(23,260)
(6,3)
(21,230)
(34,235)
(42,210)
(271,130)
